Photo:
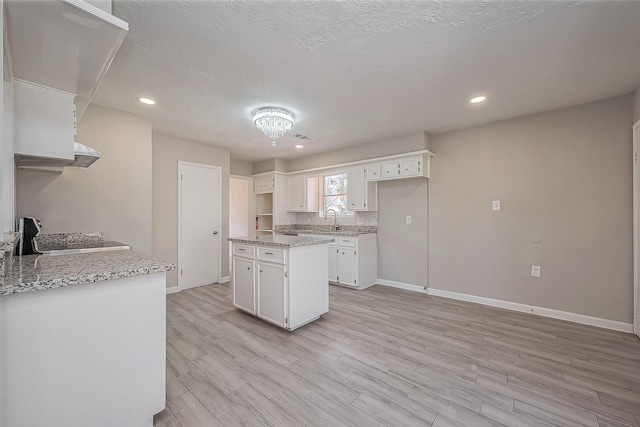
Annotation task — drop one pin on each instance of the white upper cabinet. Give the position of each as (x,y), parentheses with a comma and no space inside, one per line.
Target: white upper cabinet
(264,184)
(66,45)
(409,167)
(361,194)
(302,194)
(372,172)
(44,121)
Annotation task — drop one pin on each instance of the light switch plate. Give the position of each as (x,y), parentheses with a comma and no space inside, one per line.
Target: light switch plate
(535,270)
(408,219)
(495,205)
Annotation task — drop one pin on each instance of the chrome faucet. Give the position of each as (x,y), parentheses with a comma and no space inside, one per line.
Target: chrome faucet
(335,218)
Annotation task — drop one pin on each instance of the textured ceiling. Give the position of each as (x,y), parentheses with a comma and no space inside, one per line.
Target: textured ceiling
(358,71)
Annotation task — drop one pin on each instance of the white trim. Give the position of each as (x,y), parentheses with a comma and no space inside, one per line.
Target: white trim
(540,311)
(636,231)
(402,285)
(173,290)
(225,279)
(181,164)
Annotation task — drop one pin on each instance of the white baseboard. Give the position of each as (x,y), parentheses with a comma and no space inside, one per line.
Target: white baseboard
(225,279)
(540,311)
(173,290)
(401,285)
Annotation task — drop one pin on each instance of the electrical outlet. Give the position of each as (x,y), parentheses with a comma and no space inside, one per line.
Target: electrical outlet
(535,270)
(408,219)
(495,205)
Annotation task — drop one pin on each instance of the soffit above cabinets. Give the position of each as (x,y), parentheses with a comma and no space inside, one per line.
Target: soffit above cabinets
(62,44)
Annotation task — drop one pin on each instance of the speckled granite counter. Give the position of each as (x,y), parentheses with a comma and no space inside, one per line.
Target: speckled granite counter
(38,272)
(283,241)
(298,229)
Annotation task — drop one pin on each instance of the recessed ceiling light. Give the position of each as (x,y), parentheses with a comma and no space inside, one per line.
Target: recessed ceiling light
(147,101)
(478,99)
(299,146)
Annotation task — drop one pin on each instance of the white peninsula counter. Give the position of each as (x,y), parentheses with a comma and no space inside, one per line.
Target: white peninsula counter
(82,339)
(282,279)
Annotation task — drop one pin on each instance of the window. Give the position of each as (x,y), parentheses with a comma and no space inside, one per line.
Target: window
(335,194)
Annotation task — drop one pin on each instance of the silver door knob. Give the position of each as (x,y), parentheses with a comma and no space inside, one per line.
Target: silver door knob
(215,232)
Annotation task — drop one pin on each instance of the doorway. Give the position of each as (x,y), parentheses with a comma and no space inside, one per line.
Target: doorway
(636,228)
(240,209)
(199,224)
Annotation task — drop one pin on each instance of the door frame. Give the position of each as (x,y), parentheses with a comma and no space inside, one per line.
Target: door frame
(181,165)
(636,229)
(252,209)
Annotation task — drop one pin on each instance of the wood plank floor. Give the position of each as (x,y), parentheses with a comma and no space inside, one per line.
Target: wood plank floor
(390,357)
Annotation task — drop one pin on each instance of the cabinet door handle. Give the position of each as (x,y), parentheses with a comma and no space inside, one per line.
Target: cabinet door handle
(269,253)
(261,271)
(242,249)
(248,268)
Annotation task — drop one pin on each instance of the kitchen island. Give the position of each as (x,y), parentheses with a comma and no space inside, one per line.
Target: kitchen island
(281,279)
(83,339)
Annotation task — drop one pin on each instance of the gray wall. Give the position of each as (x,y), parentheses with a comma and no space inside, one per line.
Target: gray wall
(387,147)
(113,195)
(636,105)
(167,150)
(564,177)
(239,167)
(403,248)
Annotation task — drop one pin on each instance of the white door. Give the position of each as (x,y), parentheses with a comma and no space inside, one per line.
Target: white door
(271,293)
(636,229)
(199,228)
(347,267)
(244,284)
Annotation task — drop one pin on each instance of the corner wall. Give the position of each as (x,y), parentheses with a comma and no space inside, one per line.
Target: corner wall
(564,179)
(113,195)
(636,105)
(167,150)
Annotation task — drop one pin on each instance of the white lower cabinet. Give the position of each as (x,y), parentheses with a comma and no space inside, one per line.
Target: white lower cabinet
(353,260)
(272,290)
(284,286)
(244,277)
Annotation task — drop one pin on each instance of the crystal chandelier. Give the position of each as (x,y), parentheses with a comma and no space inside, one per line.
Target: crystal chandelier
(273,121)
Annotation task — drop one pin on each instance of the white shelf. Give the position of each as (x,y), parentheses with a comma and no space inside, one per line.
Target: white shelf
(264,214)
(66,45)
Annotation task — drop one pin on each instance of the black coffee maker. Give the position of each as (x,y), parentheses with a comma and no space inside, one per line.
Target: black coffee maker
(28,228)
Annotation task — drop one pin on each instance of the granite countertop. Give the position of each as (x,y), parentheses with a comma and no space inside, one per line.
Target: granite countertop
(38,272)
(282,241)
(72,248)
(350,233)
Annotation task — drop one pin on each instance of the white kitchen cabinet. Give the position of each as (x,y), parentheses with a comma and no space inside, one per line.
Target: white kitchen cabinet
(66,45)
(361,194)
(353,260)
(302,194)
(372,172)
(390,170)
(44,121)
(244,280)
(272,289)
(286,286)
(264,183)
(333,263)
(411,167)
(348,263)
(414,166)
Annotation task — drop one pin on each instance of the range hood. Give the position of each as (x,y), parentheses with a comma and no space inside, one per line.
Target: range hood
(83,158)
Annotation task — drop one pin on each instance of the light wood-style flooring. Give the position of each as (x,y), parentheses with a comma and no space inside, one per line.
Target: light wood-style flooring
(390,357)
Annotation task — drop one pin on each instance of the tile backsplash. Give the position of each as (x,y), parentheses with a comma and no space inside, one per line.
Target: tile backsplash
(367,219)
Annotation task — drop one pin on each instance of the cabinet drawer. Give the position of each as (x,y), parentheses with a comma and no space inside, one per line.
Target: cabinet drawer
(346,241)
(244,250)
(390,170)
(272,255)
